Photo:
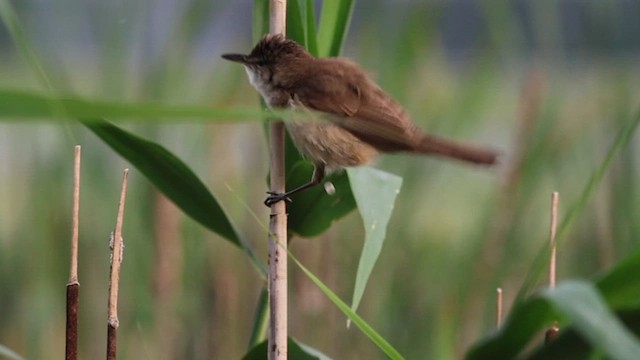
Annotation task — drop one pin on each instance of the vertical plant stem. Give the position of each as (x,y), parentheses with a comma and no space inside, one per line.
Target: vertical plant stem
(552,332)
(278,220)
(117,249)
(552,239)
(73,286)
(498,308)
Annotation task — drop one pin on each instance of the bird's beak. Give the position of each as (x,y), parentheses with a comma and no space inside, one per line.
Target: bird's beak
(239,58)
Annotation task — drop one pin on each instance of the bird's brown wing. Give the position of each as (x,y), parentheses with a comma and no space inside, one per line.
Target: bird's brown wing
(360,107)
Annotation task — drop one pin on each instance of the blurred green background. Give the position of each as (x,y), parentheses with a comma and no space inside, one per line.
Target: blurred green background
(547,82)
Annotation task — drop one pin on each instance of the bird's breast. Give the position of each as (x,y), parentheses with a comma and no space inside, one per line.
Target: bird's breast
(329,144)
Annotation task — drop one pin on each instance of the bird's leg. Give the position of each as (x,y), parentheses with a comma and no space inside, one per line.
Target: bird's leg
(316,178)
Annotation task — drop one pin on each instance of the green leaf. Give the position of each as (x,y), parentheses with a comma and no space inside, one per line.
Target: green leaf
(313,210)
(312,35)
(578,302)
(583,306)
(376,338)
(260,19)
(23,105)
(297,21)
(174,179)
(523,323)
(621,285)
(295,350)
(375,193)
(571,345)
(335,18)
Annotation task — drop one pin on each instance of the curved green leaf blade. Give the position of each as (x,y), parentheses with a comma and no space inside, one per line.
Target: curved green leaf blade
(19,104)
(375,192)
(376,338)
(523,323)
(580,304)
(621,285)
(570,345)
(583,306)
(173,178)
(170,175)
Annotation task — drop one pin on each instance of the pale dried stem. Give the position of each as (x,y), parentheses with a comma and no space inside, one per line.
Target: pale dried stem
(117,250)
(71,329)
(552,240)
(73,273)
(499,308)
(278,219)
(552,332)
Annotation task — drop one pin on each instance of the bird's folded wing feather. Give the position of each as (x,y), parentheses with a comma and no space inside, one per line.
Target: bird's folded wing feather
(368,113)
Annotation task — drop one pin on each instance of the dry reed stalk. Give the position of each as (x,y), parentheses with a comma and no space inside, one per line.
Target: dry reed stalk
(498,308)
(552,332)
(117,250)
(73,286)
(278,219)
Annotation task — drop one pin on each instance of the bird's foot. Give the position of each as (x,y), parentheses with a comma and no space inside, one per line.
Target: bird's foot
(274,197)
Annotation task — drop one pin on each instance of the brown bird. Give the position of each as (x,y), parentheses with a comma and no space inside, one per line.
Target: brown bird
(358,119)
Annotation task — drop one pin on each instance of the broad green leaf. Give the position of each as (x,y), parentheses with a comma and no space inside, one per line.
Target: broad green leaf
(375,193)
(174,179)
(621,285)
(376,338)
(21,105)
(295,350)
(313,210)
(571,345)
(577,302)
(523,323)
(583,306)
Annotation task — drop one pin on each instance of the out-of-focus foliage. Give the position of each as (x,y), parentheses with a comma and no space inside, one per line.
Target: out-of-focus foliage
(550,83)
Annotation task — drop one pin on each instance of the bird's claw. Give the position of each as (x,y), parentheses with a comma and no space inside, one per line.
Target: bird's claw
(274,197)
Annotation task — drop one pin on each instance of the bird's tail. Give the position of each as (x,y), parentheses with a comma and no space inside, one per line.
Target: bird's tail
(435,145)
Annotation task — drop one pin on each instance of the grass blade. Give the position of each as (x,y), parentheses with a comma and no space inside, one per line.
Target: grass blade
(17,104)
(334,23)
(376,338)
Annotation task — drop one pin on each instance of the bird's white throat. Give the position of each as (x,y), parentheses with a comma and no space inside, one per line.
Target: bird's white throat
(259,83)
